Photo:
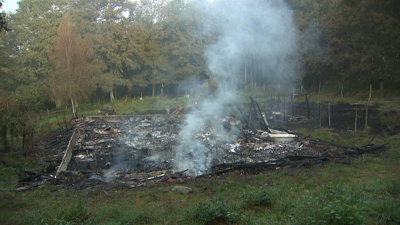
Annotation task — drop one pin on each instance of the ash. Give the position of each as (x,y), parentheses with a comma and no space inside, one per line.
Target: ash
(124,146)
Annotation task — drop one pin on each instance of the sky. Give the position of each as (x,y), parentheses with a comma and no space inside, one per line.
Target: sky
(10,5)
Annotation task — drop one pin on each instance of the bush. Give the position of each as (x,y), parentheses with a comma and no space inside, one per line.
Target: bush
(329,206)
(260,197)
(215,212)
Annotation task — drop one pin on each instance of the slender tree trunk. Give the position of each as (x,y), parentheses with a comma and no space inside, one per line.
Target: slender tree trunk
(32,138)
(5,137)
(112,95)
(76,108)
(58,103)
(73,108)
(245,75)
(12,137)
(23,136)
(154,90)
(254,72)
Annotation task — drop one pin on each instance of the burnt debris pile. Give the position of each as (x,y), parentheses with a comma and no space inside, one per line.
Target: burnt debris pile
(149,143)
(139,150)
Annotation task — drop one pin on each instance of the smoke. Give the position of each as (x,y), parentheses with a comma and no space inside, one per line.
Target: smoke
(253,30)
(122,162)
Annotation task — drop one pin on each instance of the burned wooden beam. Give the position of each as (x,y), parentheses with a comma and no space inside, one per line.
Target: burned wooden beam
(300,165)
(214,173)
(67,184)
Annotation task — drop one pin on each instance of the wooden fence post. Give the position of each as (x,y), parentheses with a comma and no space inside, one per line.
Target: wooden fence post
(355,125)
(292,109)
(284,109)
(370,93)
(319,89)
(366,115)
(319,114)
(308,108)
(278,101)
(329,113)
(341,92)
(293,93)
(271,102)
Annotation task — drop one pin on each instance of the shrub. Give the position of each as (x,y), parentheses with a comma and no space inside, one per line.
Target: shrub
(329,206)
(263,196)
(215,211)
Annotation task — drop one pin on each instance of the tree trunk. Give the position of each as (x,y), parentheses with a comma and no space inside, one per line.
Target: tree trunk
(112,95)
(245,75)
(32,137)
(154,90)
(76,108)
(5,137)
(58,103)
(12,138)
(254,72)
(73,108)
(23,137)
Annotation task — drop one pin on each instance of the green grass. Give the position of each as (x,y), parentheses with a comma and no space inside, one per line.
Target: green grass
(154,104)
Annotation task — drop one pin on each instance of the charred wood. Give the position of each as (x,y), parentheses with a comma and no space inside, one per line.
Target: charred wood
(67,184)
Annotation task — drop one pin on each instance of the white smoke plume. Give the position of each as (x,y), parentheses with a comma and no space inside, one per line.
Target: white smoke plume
(251,28)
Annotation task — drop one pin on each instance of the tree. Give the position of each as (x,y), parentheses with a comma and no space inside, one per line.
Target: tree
(3,21)
(115,45)
(364,41)
(73,67)
(182,44)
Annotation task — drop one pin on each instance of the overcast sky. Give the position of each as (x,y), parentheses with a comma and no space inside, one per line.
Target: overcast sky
(10,5)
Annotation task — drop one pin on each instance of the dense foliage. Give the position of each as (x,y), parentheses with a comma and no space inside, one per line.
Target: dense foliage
(162,43)
(66,52)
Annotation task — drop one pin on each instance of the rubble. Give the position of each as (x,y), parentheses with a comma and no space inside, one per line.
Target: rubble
(138,150)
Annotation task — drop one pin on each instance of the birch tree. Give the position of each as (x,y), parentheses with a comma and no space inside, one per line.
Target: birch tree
(71,79)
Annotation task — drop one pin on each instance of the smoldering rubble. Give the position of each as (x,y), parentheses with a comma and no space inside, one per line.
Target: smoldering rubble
(149,143)
(135,151)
